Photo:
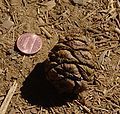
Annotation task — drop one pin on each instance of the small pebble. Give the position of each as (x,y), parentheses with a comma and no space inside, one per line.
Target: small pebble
(27,112)
(33,111)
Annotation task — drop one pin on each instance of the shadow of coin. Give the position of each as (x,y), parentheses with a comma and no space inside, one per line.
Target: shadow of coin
(38,91)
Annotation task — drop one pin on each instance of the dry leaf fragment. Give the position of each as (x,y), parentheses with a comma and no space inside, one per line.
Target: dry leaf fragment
(7,23)
(49,5)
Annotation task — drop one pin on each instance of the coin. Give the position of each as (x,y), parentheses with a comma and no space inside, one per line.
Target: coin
(29,43)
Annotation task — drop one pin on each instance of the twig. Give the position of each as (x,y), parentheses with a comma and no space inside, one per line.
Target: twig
(112,88)
(97,32)
(92,30)
(7,3)
(43,29)
(89,15)
(8,98)
(52,110)
(96,108)
(117,22)
(46,32)
(117,66)
(102,57)
(113,16)
(83,106)
(30,107)
(113,104)
(20,109)
(102,41)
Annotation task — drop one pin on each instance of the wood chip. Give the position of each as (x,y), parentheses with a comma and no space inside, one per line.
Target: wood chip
(117,30)
(80,2)
(8,98)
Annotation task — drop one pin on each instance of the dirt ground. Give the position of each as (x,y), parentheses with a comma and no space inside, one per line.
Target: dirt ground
(100,22)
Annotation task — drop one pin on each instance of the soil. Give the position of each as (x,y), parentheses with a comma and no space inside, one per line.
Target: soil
(99,21)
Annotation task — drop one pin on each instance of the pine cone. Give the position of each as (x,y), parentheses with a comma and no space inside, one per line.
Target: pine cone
(69,62)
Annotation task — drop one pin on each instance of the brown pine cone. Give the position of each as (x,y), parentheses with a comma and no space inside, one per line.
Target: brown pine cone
(69,62)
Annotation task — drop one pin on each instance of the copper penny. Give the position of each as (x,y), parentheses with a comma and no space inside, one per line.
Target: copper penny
(29,43)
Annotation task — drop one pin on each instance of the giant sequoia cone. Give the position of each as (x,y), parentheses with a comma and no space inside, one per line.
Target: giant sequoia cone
(70,62)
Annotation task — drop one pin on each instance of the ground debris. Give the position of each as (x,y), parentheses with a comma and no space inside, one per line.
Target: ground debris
(98,21)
